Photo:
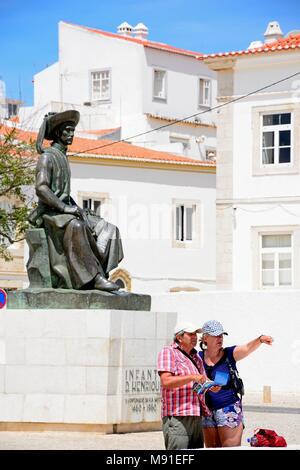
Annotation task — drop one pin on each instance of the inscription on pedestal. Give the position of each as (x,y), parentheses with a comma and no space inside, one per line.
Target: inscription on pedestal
(141,380)
(141,392)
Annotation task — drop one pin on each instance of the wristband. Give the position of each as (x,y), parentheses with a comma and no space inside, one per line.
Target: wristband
(260,338)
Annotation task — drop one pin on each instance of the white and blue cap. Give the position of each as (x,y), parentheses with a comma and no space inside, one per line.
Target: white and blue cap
(213,328)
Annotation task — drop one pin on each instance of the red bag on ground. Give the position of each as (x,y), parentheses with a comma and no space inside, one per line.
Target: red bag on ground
(267,438)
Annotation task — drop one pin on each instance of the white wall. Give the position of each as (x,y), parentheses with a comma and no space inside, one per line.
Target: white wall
(159,140)
(255,197)
(252,73)
(245,316)
(131,65)
(47,86)
(183,75)
(142,209)
(197,149)
(245,184)
(245,250)
(81,51)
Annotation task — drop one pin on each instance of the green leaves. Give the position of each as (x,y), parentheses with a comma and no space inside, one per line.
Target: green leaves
(17,168)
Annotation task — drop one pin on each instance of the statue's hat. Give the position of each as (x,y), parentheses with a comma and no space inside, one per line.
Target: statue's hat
(53,120)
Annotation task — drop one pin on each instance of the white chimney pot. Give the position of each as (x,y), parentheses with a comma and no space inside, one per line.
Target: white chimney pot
(273,32)
(125,29)
(140,31)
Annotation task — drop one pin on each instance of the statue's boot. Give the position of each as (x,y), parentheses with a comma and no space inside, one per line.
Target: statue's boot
(103,284)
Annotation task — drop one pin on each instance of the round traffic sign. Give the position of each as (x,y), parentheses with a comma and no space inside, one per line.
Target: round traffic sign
(3,298)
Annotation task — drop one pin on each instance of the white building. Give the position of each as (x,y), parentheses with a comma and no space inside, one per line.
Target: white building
(9,108)
(258,175)
(2,100)
(126,81)
(163,204)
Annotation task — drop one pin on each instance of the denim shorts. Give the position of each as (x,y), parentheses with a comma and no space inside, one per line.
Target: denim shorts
(231,416)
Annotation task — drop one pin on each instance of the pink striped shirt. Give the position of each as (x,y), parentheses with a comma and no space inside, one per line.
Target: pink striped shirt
(181,401)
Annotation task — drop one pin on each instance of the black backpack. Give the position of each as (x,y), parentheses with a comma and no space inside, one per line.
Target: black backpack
(236,380)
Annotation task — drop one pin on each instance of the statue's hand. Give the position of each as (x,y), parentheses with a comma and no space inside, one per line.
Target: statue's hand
(73,210)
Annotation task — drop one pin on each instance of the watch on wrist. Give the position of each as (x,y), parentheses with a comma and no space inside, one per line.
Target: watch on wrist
(260,338)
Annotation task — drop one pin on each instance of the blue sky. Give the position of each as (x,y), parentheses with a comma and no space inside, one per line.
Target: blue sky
(28,28)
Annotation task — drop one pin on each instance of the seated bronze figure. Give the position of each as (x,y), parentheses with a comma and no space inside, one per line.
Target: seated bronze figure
(83,248)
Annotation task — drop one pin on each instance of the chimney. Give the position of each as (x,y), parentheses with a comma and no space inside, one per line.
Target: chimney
(125,29)
(255,45)
(140,31)
(273,32)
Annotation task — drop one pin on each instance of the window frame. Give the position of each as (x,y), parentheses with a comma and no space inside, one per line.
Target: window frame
(209,80)
(101,100)
(12,110)
(282,168)
(123,275)
(102,197)
(184,229)
(196,240)
(160,98)
(257,233)
(92,200)
(276,251)
(276,128)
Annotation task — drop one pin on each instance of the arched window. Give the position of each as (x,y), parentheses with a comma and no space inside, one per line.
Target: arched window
(122,278)
(120,283)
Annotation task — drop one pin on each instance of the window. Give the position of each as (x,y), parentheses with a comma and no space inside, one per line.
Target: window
(120,283)
(185,222)
(159,85)
(95,201)
(12,110)
(93,205)
(211,155)
(101,85)
(204,92)
(276,139)
(122,278)
(276,260)
(186,226)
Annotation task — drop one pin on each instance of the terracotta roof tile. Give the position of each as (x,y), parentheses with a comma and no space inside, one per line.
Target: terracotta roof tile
(289,43)
(144,42)
(188,122)
(117,150)
(101,131)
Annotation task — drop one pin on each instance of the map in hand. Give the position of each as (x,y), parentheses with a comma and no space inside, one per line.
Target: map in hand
(221,379)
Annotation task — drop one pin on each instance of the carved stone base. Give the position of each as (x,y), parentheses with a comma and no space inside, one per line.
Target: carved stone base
(76,299)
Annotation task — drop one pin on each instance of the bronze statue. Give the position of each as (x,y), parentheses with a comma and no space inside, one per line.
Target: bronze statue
(83,247)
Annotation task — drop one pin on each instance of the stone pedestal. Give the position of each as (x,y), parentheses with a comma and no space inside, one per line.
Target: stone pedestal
(76,299)
(81,369)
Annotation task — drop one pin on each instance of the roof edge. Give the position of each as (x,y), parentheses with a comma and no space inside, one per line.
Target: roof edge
(143,42)
(143,163)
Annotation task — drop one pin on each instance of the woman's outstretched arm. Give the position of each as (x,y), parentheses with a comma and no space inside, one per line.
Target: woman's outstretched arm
(242,351)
